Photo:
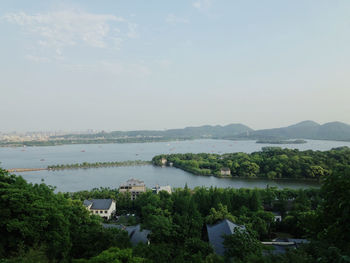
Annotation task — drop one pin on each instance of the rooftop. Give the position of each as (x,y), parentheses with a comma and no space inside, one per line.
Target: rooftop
(217,231)
(133,182)
(99,204)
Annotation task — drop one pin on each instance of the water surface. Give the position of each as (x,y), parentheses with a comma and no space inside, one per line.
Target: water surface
(85,179)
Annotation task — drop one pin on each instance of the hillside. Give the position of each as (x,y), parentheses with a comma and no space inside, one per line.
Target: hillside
(205,131)
(304,130)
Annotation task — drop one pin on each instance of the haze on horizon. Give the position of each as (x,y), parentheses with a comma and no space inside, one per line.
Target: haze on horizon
(131,65)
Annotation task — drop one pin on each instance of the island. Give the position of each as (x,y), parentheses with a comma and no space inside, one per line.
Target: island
(271,163)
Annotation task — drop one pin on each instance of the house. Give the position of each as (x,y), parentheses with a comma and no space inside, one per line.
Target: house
(134,187)
(135,233)
(158,188)
(225,171)
(217,232)
(101,207)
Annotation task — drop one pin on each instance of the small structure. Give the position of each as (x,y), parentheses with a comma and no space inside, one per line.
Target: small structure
(134,187)
(158,188)
(280,246)
(277,216)
(225,171)
(135,233)
(101,207)
(217,232)
(163,161)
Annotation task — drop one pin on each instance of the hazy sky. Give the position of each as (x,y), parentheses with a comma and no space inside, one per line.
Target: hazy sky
(123,65)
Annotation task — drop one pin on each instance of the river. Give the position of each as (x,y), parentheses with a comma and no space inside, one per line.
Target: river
(85,179)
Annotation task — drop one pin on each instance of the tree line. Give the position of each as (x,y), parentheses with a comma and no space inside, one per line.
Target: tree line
(97,165)
(271,162)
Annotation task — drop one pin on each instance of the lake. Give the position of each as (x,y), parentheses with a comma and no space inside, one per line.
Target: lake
(85,179)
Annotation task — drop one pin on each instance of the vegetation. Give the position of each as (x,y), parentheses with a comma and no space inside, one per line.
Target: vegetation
(97,165)
(37,225)
(305,130)
(271,162)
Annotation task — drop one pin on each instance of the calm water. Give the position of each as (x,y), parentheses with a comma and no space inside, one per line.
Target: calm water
(73,180)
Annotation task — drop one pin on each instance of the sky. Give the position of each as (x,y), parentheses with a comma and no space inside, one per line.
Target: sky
(129,65)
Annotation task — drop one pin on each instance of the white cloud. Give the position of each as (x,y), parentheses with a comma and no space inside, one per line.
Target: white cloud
(58,30)
(37,58)
(172,19)
(202,4)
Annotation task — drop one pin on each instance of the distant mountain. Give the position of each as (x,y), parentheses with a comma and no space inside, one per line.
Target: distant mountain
(205,131)
(304,130)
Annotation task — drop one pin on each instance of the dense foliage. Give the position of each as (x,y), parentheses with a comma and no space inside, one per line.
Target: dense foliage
(37,225)
(86,165)
(36,222)
(271,162)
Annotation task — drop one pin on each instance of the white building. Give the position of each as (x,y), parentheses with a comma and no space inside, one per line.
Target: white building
(158,188)
(101,207)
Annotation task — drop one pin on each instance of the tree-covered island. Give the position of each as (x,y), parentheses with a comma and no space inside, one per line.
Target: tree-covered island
(271,162)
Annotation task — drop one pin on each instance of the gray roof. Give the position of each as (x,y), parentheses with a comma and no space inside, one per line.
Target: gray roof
(281,249)
(113,226)
(136,235)
(99,204)
(87,202)
(216,233)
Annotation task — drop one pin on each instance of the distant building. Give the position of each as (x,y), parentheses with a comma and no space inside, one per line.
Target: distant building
(101,207)
(134,187)
(217,232)
(158,188)
(164,161)
(135,233)
(225,171)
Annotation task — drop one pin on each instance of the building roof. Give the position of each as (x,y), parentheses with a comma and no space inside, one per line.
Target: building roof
(216,234)
(113,226)
(99,204)
(158,188)
(280,245)
(137,235)
(87,203)
(133,182)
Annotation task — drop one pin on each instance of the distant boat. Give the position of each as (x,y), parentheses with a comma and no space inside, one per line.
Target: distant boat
(41,160)
(82,151)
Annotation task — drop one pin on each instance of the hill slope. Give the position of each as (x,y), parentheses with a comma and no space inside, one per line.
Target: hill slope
(304,130)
